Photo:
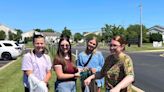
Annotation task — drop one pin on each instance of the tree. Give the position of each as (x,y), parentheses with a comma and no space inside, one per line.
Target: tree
(111,30)
(38,30)
(66,32)
(2,35)
(93,35)
(48,30)
(155,37)
(12,36)
(19,34)
(77,37)
(133,32)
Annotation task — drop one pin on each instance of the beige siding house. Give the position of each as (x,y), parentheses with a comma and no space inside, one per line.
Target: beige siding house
(7,30)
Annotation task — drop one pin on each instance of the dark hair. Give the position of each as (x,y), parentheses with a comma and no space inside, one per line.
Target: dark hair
(45,51)
(120,39)
(60,54)
(37,36)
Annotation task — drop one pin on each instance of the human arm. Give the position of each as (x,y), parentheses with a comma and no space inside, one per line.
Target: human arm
(79,62)
(88,80)
(128,79)
(61,75)
(27,66)
(123,84)
(48,76)
(48,69)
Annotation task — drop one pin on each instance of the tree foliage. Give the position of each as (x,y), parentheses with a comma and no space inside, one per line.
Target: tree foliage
(155,37)
(77,37)
(45,30)
(12,36)
(2,35)
(38,30)
(133,32)
(19,34)
(111,30)
(48,30)
(66,32)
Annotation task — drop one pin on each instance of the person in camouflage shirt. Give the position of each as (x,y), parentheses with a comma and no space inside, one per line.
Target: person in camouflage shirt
(118,68)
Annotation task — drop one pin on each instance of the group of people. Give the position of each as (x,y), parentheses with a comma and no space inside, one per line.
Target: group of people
(115,72)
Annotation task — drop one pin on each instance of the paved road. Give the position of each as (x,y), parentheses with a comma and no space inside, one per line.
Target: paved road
(149,70)
(2,62)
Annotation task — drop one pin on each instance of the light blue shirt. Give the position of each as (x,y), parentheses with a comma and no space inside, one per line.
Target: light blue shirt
(97,61)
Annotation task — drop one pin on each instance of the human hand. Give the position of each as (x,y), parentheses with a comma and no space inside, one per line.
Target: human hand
(85,68)
(76,75)
(87,81)
(93,70)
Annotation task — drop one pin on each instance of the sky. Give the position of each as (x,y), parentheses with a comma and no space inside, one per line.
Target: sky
(79,15)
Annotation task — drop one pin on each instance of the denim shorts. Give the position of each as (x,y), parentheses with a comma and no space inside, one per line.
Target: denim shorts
(65,86)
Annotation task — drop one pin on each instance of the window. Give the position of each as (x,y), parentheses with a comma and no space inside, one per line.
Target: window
(7,44)
(17,44)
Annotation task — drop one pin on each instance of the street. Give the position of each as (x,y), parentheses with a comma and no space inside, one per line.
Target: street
(148,67)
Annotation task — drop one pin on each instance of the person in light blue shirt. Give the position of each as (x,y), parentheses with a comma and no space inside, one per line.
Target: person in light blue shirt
(95,63)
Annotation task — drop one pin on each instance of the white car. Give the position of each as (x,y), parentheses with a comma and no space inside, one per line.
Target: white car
(9,50)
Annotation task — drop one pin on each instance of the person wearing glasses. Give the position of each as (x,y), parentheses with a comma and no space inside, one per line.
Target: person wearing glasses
(36,66)
(118,68)
(93,60)
(64,67)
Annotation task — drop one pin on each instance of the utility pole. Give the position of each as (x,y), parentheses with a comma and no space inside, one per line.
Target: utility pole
(140,23)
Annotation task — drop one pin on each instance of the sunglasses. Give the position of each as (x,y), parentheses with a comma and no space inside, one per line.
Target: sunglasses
(65,45)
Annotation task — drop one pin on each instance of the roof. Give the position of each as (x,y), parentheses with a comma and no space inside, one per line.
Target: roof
(157,28)
(7,29)
(50,33)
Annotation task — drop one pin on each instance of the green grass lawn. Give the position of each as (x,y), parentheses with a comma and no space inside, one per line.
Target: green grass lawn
(145,46)
(11,77)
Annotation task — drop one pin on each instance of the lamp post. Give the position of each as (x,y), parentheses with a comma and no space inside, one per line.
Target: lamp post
(140,24)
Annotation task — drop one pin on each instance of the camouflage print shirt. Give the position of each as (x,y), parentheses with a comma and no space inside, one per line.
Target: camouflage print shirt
(115,70)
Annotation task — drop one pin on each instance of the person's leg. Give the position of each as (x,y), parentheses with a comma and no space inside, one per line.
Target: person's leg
(66,87)
(26,89)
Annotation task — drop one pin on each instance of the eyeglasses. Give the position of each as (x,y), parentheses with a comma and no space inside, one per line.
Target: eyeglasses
(113,45)
(65,45)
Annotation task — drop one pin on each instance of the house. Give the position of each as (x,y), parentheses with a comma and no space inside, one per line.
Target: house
(157,29)
(28,34)
(7,30)
(51,37)
(96,33)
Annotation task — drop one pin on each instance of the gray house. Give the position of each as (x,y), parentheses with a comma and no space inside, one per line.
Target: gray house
(157,29)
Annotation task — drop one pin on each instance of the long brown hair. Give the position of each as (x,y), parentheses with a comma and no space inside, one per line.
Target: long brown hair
(60,58)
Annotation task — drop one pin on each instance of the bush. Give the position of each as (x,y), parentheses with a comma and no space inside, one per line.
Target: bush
(156,37)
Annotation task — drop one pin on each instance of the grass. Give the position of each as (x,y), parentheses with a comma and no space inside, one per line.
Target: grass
(11,76)
(145,46)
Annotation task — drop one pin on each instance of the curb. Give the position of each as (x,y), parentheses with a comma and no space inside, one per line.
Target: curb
(145,51)
(12,61)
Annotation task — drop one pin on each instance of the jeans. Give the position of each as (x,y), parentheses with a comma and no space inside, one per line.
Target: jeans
(68,86)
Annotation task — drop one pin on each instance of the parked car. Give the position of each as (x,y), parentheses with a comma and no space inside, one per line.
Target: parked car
(9,50)
(22,45)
